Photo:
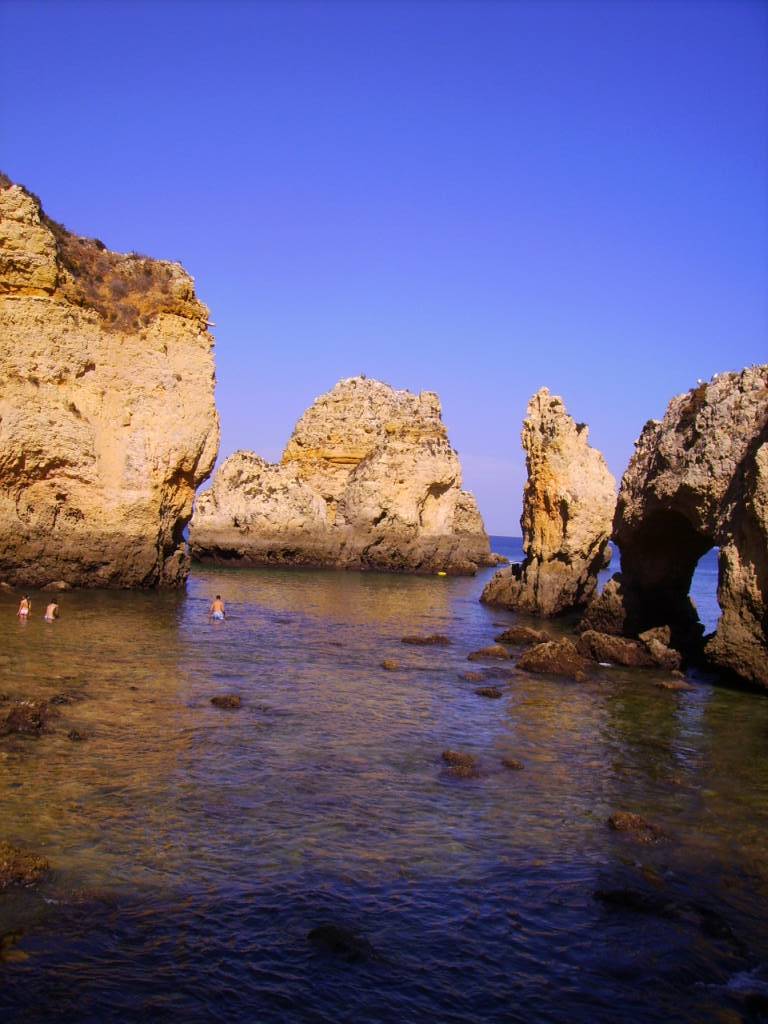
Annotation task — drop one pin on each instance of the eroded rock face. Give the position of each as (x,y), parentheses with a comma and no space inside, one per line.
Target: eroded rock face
(698,479)
(107,415)
(568,505)
(368,480)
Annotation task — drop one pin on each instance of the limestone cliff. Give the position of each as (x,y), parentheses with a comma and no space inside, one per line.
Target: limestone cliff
(367,480)
(107,415)
(568,505)
(698,479)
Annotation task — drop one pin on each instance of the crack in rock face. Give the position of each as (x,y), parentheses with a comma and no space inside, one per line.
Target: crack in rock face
(368,480)
(107,417)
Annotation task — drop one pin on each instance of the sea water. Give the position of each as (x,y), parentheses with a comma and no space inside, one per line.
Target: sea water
(193,849)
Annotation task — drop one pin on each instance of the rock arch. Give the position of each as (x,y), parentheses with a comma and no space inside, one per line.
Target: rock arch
(698,479)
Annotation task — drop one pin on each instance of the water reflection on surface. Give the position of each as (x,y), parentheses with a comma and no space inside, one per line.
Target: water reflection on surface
(194,848)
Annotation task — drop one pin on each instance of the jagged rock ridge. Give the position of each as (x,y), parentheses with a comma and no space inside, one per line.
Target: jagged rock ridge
(107,416)
(698,479)
(367,480)
(568,504)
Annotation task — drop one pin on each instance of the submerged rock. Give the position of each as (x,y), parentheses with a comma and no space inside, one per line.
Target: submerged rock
(636,826)
(568,505)
(20,867)
(107,417)
(227,700)
(698,479)
(493,651)
(493,692)
(368,480)
(557,658)
(28,718)
(472,677)
(341,942)
(522,636)
(512,763)
(390,665)
(435,639)
(461,764)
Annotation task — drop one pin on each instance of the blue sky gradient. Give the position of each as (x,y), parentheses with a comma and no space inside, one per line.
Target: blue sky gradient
(472,198)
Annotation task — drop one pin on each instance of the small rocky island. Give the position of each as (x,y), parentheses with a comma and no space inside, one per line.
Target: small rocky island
(368,480)
(568,504)
(107,418)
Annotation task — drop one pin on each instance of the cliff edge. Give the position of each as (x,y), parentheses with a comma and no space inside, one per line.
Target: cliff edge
(107,416)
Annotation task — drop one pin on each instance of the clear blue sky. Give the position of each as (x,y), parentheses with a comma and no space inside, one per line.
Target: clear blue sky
(473,198)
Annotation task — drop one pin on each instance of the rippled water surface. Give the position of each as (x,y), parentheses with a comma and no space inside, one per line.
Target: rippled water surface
(194,848)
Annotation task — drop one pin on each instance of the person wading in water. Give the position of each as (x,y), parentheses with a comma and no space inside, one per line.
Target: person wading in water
(217,611)
(52,612)
(25,607)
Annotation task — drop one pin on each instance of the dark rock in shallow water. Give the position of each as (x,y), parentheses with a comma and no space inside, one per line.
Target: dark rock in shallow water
(557,658)
(390,665)
(228,700)
(472,677)
(493,651)
(461,764)
(512,763)
(616,649)
(675,685)
(57,586)
(522,636)
(28,718)
(434,640)
(76,736)
(636,826)
(341,942)
(20,867)
(494,692)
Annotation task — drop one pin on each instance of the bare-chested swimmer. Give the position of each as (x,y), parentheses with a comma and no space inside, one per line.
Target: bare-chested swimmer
(217,611)
(52,612)
(25,607)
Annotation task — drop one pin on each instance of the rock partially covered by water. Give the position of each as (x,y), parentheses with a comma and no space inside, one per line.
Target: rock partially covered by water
(698,479)
(28,718)
(433,640)
(568,505)
(522,636)
(107,416)
(342,943)
(461,764)
(616,649)
(226,700)
(555,658)
(368,480)
(20,867)
(636,826)
(493,651)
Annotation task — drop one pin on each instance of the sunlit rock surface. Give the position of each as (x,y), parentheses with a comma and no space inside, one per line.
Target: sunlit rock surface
(698,479)
(568,504)
(368,480)
(107,415)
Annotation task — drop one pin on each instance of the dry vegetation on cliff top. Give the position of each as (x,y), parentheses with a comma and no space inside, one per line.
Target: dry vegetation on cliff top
(126,289)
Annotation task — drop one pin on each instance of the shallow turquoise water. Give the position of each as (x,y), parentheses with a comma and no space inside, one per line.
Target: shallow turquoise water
(194,848)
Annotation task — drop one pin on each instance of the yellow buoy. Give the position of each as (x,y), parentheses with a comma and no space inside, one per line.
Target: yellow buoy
(442,574)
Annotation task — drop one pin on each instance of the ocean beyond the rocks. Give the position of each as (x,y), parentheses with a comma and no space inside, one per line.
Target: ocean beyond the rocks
(194,848)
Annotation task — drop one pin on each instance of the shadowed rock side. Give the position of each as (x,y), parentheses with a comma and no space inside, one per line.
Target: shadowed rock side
(107,415)
(368,480)
(698,479)
(568,504)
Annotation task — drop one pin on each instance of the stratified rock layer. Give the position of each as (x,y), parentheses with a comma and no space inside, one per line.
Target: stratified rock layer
(698,479)
(368,480)
(107,415)
(568,505)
